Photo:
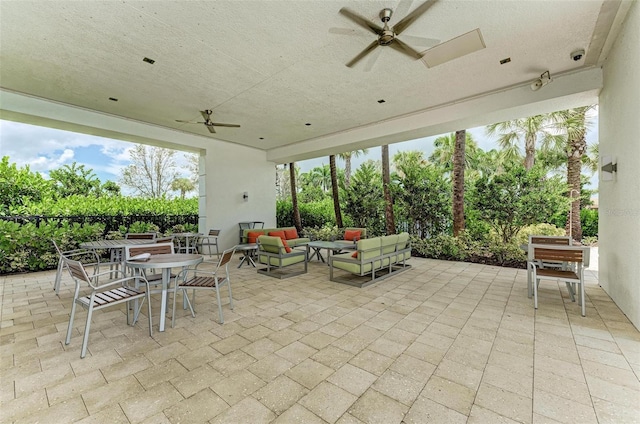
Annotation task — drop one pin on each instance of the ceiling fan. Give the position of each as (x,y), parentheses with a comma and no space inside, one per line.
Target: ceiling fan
(206,114)
(388,36)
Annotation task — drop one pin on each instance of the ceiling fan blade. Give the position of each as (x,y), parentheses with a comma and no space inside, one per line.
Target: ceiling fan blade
(402,47)
(362,21)
(186,122)
(210,128)
(206,114)
(402,9)
(218,124)
(362,54)
(420,41)
(373,57)
(408,20)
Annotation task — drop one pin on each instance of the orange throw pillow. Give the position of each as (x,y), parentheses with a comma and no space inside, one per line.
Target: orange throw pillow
(352,235)
(252,236)
(282,237)
(355,255)
(286,246)
(278,234)
(291,234)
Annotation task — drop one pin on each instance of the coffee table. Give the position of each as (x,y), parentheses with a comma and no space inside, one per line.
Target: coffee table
(316,246)
(247,250)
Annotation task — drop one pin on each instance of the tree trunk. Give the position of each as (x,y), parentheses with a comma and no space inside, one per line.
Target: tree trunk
(386,185)
(347,170)
(530,150)
(334,189)
(458,182)
(294,197)
(577,148)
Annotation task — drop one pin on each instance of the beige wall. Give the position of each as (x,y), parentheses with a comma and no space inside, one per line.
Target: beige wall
(226,172)
(619,224)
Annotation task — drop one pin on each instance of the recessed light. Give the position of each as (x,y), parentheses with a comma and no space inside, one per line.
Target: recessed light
(113,99)
(507,60)
(381,101)
(149,61)
(308,124)
(261,138)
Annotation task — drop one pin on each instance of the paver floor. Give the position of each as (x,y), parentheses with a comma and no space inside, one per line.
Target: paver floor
(445,342)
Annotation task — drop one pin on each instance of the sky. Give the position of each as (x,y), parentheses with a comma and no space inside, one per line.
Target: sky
(44,149)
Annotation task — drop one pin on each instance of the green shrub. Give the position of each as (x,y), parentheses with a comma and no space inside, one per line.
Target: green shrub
(589,222)
(326,233)
(538,230)
(29,247)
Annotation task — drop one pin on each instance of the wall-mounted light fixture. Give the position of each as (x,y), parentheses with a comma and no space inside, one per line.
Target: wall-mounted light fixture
(245,196)
(545,78)
(608,166)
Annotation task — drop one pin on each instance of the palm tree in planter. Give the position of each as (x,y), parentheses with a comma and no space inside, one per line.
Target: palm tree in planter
(390,223)
(334,189)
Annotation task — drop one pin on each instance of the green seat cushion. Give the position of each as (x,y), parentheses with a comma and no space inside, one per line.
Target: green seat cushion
(283,261)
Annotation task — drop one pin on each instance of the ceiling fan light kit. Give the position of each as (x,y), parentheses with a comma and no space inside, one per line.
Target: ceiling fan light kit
(545,78)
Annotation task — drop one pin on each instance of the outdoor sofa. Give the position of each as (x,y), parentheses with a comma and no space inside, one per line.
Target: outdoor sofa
(375,258)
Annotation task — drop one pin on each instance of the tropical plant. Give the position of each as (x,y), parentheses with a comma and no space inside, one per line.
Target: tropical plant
(445,148)
(526,131)
(516,198)
(297,220)
(574,124)
(422,195)
(19,187)
(346,156)
(183,185)
(75,179)
(459,164)
(335,191)
(364,202)
(390,224)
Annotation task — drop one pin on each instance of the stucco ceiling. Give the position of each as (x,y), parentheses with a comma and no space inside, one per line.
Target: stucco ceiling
(275,66)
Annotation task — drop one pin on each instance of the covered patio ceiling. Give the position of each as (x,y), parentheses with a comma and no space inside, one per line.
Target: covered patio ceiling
(274,67)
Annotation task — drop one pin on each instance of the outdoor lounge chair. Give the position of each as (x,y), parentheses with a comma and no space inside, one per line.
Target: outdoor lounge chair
(273,253)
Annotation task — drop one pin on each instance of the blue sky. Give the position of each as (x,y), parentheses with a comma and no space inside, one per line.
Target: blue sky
(44,149)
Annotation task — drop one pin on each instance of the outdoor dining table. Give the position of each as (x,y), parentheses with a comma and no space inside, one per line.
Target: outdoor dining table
(114,247)
(165,262)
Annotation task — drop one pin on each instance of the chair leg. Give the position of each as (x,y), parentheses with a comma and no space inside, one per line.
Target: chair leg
(71,318)
(149,312)
(219,303)
(535,291)
(230,295)
(56,285)
(582,302)
(173,313)
(85,340)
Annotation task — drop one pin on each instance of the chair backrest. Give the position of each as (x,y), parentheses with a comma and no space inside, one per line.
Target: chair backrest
(140,236)
(87,255)
(214,233)
(168,239)
(554,240)
(226,257)
(578,254)
(76,269)
(152,249)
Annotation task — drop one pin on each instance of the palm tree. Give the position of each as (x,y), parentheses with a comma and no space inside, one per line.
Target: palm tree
(334,188)
(294,197)
(183,185)
(459,164)
(346,156)
(444,151)
(574,123)
(390,224)
(512,133)
(321,175)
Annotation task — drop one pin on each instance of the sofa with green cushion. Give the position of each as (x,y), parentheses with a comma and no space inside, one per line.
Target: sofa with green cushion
(273,253)
(348,241)
(293,242)
(374,259)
